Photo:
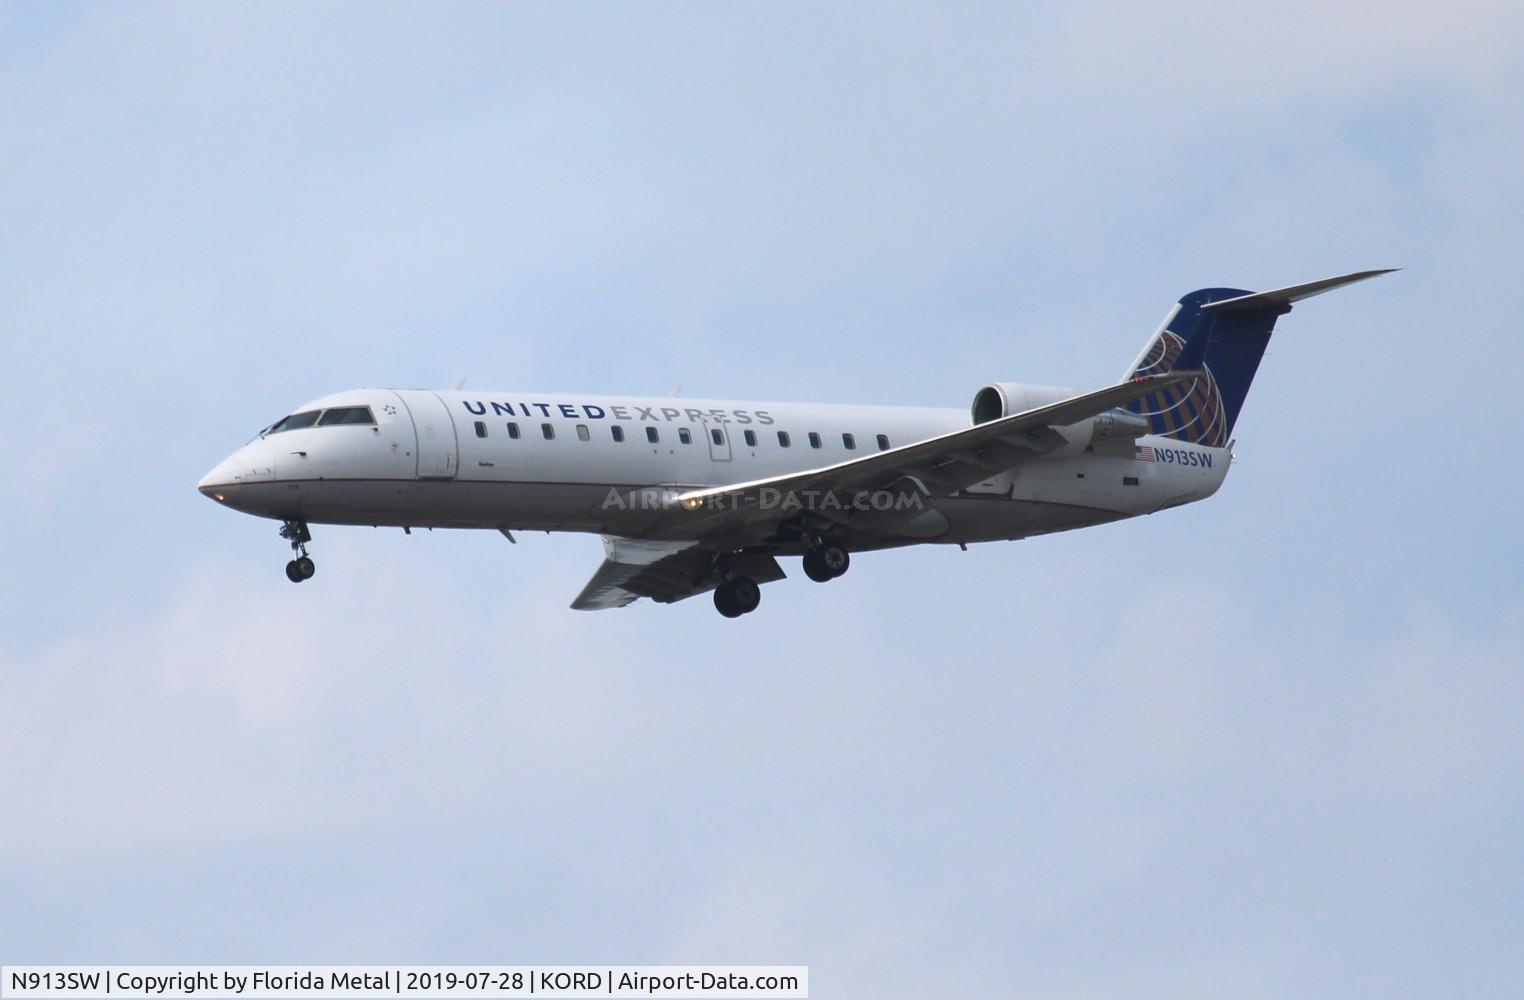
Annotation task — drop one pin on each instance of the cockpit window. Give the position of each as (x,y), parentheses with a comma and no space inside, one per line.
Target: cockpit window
(346,415)
(294,422)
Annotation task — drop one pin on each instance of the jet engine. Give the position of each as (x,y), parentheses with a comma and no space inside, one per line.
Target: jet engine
(1001,399)
(1118,428)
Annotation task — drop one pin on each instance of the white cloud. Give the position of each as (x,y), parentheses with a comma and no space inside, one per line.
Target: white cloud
(822,795)
(1147,759)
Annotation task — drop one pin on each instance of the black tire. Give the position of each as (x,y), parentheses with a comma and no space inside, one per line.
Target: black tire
(834,558)
(307,567)
(814,568)
(724,603)
(294,572)
(745,594)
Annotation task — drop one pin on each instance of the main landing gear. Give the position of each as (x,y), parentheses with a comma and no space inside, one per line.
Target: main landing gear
(737,596)
(301,568)
(825,561)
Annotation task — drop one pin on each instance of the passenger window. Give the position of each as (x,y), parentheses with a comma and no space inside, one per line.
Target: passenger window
(684,435)
(481,429)
(883,442)
(549,430)
(751,439)
(582,433)
(346,415)
(618,433)
(513,430)
(716,435)
(849,441)
(783,441)
(651,435)
(814,440)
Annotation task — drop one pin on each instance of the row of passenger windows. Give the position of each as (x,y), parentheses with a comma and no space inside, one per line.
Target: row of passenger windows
(684,435)
(322,418)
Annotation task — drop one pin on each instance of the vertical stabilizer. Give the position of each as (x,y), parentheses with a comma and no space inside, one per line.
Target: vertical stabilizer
(1224,332)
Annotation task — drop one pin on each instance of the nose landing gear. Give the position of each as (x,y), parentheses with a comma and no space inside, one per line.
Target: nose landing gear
(302,567)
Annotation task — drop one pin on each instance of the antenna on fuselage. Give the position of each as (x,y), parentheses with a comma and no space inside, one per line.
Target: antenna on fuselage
(459,385)
(677,390)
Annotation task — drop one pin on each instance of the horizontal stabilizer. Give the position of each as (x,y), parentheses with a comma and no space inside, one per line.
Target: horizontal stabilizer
(1285,296)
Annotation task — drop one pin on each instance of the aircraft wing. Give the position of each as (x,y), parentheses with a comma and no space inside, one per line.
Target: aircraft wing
(942,464)
(663,571)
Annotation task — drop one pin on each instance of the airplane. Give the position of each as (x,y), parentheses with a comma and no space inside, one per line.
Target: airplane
(694,496)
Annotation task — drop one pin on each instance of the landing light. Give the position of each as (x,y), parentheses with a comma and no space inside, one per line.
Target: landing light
(218,497)
(692,503)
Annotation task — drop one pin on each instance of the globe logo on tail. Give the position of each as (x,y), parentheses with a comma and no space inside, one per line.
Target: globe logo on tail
(1191,411)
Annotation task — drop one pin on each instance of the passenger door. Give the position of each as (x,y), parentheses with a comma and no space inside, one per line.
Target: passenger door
(437,451)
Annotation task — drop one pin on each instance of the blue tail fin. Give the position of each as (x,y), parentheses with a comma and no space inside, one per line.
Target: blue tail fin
(1203,410)
(1224,332)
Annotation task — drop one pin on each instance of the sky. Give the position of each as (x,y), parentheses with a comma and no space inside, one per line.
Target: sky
(1265,745)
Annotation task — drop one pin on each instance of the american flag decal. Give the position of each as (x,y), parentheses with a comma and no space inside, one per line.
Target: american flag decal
(1144,453)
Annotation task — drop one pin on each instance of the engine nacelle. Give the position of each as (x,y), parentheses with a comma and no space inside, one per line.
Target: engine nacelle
(1118,425)
(1117,428)
(1001,399)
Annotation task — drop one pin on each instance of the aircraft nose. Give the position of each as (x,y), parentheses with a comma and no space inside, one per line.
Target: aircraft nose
(219,478)
(249,464)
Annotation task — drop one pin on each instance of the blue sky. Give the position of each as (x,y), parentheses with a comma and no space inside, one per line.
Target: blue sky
(1260,746)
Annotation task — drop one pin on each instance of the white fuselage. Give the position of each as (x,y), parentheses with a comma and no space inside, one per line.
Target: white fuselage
(535,461)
